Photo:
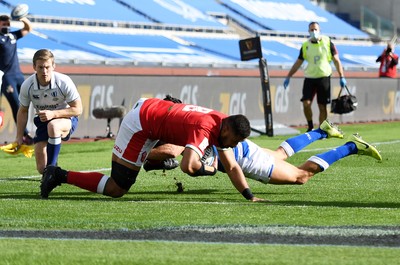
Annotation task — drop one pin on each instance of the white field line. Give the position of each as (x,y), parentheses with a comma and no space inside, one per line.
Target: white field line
(284,230)
(108,169)
(244,203)
(267,230)
(40,176)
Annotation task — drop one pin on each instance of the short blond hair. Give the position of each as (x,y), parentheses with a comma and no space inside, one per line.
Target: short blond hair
(43,54)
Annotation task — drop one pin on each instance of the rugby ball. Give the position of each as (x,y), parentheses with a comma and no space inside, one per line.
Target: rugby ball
(209,156)
(19,11)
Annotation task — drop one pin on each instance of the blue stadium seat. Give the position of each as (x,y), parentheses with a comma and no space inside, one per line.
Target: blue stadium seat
(111,46)
(89,10)
(291,16)
(275,52)
(283,17)
(183,13)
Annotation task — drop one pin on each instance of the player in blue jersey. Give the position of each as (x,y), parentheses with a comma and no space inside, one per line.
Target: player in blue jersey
(268,166)
(9,64)
(57,104)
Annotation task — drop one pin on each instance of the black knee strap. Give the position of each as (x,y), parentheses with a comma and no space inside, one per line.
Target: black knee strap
(123,176)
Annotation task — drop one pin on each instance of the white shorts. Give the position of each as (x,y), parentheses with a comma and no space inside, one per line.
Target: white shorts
(255,162)
(132,143)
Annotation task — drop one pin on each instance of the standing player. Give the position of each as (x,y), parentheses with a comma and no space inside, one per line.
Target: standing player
(149,121)
(57,104)
(318,51)
(269,166)
(9,64)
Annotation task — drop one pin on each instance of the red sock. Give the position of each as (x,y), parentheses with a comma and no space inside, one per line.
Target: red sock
(85,180)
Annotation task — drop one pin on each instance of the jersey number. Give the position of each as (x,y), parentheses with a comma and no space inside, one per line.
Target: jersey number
(196,109)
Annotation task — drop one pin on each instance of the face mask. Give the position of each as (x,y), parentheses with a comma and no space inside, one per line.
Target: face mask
(5,30)
(314,35)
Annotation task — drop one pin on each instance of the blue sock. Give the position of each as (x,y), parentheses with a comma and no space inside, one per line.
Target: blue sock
(298,142)
(53,150)
(326,159)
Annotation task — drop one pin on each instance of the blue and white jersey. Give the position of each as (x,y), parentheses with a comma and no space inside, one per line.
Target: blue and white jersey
(55,96)
(254,161)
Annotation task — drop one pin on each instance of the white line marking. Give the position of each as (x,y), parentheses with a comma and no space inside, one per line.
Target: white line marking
(108,169)
(40,176)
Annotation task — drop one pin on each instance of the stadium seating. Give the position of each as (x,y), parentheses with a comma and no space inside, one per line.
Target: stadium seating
(135,48)
(275,52)
(105,10)
(184,31)
(183,13)
(290,16)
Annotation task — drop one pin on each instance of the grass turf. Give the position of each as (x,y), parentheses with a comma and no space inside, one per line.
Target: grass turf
(356,191)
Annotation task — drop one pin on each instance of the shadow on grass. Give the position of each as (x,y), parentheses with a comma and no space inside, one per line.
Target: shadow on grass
(341,204)
(149,196)
(18,179)
(89,196)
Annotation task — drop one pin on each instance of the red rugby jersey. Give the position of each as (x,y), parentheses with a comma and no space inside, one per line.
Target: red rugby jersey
(181,124)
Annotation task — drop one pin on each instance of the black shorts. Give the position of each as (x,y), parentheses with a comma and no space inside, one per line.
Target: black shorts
(317,86)
(41,129)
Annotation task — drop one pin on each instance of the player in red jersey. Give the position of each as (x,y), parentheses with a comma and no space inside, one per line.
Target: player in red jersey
(153,120)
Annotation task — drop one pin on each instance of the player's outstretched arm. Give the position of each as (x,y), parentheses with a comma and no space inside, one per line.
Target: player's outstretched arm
(236,175)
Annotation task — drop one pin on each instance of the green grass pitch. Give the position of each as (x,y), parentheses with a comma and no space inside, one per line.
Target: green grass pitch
(356,192)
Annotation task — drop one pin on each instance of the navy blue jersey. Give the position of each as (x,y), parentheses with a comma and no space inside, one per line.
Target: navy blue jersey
(9,63)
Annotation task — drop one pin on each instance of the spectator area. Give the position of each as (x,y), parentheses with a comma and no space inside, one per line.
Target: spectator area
(275,52)
(118,47)
(155,46)
(161,49)
(88,10)
(291,16)
(192,13)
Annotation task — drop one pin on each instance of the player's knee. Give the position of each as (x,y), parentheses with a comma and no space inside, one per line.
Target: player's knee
(51,128)
(116,193)
(123,177)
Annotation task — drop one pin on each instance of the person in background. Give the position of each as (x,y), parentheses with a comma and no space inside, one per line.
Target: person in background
(57,105)
(389,61)
(9,64)
(318,51)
